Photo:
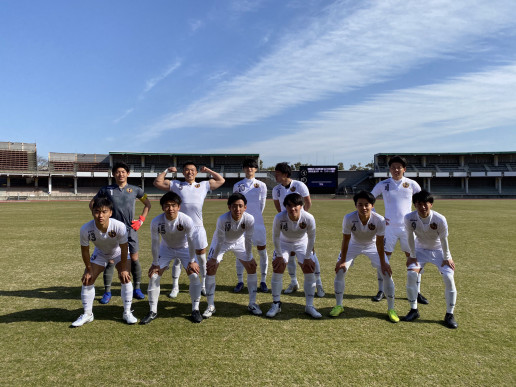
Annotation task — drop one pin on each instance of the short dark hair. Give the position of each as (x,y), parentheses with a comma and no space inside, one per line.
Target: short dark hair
(422,196)
(294,199)
(119,164)
(251,163)
(284,168)
(100,201)
(170,197)
(364,195)
(235,197)
(398,159)
(189,162)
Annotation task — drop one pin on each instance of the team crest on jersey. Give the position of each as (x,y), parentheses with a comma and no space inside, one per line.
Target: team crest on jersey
(243,226)
(284,226)
(180,227)
(129,190)
(302,225)
(371,226)
(406,185)
(292,189)
(414,225)
(354,228)
(227,226)
(91,236)
(241,188)
(433,226)
(112,233)
(197,185)
(256,185)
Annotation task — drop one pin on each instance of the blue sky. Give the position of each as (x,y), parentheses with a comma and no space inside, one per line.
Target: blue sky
(318,82)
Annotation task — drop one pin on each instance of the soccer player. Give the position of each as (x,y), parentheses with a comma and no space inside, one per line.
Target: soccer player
(110,239)
(293,232)
(255,192)
(176,231)
(397,194)
(363,231)
(430,230)
(192,197)
(287,186)
(234,232)
(123,196)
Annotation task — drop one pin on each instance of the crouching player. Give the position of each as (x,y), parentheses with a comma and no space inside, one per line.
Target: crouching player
(293,231)
(430,246)
(110,239)
(363,233)
(234,232)
(176,230)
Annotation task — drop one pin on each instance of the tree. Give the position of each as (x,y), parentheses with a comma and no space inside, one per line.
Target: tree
(42,163)
(341,166)
(360,167)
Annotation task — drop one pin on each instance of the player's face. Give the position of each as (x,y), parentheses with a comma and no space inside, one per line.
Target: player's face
(364,207)
(237,209)
(249,172)
(280,177)
(423,208)
(121,176)
(171,209)
(397,170)
(101,216)
(294,212)
(190,171)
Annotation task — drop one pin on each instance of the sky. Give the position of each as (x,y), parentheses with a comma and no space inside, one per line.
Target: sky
(317,82)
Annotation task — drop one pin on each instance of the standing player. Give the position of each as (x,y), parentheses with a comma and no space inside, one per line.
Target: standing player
(397,194)
(234,232)
(287,186)
(293,231)
(255,192)
(110,239)
(430,246)
(123,196)
(192,196)
(363,232)
(176,231)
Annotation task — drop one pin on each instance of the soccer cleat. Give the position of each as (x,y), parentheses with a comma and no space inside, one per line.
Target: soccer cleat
(393,316)
(275,309)
(196,316)
(422,299)
(254,309)
(263,287)
(147,319)
(137,293)
(106,297)
(203,292)
(292,287)
(83,319)
(310,310)
(174,293)
(238,288)
(320,291)
(210,310)
(379,296)
(450,322)
(412,315)
(337,311)
(129,318)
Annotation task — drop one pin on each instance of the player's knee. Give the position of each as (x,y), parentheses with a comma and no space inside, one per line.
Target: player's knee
(411,277)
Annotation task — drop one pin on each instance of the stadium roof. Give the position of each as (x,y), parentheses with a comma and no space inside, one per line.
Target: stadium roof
(444,153)
(183,154)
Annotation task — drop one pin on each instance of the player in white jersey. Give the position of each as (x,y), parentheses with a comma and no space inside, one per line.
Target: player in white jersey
(293,231)
(255,192)
(363,231)
(285,187)
(429,246)
(234,232)
(192,195)
(176,231)
(397,194)
(110,239)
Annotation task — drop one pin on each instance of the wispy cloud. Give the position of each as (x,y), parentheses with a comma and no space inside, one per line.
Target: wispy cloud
(126,113)
(195,24)
(151,83)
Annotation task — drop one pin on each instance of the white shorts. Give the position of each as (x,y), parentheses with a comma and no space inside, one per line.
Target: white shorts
(392,235)
(434,257)
(102,260)
(259,235)
(168,254)
(238,248)
(369,250)
(200,240)
(299,248)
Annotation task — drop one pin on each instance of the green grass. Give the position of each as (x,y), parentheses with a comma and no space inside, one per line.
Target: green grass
(41,267)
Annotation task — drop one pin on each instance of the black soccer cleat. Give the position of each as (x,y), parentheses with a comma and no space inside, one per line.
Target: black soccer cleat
(379,296)
(147,319)
(422,299)
(196,316)
(411,316)
(238,288)
(449,321)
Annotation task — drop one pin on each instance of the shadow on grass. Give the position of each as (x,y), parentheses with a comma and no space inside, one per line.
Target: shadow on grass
(51,293)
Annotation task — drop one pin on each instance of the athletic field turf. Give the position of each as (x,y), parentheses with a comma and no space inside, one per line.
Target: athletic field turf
(41,267)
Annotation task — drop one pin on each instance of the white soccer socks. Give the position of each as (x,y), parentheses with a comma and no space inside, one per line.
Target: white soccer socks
(388,289)
(309,287)
(317,272)
(195,290)
(412,288)
(379,276)
(450,292)
(292,267)
(339,285)
(210,289)
(276,286)
(87,297)
(201,258)
(176,272)
(252,285)
(264,263)
(153,292)
(127,296)
(239,270)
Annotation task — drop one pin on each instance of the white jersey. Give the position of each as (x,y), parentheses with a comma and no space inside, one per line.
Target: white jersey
(192,197)
(230,231)
(397,198)
(431,233)
(106,243)
(175,234)
(360,233)
(255,191)
(279,192)
(284,229)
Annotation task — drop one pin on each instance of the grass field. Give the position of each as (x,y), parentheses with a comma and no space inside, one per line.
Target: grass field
(41,267)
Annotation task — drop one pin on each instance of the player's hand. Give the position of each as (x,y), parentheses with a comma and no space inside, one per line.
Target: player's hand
(251,265)
(340,265)
(193,267)
(411,261)
(278,264)
(211,265)
(136,224)
(308,266)
(205,169)
(154,269)
(124,277)
(172,169)
(448,262)
(86,277)
(386,269)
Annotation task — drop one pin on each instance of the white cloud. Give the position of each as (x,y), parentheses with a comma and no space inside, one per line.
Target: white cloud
(151,83)
(195,24)
(126,113)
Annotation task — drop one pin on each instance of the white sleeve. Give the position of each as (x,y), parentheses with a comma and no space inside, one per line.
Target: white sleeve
(346,226)
(249,230)
(189,236)
(410,237)
(311,237)
(122,235)
(155,242)
(84,236)
(377,190)
(303,190)
(235,187)
(275,193)
(276,232)
(219,237)
(263,197)
(416,187)
(443,236)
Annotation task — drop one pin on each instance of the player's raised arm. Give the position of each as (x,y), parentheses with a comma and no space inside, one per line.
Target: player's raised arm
(216,179)
(307,203)
(160,182)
